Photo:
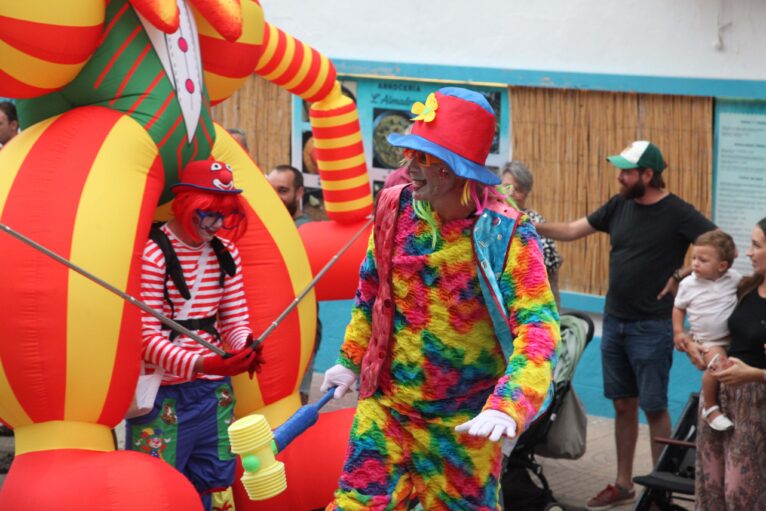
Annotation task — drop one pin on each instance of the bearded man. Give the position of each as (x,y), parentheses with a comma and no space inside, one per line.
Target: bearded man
(650,230)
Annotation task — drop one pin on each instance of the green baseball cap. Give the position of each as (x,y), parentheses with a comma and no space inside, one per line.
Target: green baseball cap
(640,154)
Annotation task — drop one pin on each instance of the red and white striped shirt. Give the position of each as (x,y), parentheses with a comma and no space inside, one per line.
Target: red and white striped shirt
(177,358)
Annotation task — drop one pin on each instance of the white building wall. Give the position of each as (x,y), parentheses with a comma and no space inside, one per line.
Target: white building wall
(719,39)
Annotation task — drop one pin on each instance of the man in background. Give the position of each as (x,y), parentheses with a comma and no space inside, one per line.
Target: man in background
(9,122)
(240,136)
(287,181)
(650,230)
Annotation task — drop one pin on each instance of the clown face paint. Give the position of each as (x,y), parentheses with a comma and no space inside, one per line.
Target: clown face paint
(432,182)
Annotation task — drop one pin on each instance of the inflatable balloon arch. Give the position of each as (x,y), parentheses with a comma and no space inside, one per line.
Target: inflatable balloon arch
(114,97)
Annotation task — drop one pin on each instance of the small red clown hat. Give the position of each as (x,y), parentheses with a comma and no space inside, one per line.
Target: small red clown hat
(208,175)
(457,126)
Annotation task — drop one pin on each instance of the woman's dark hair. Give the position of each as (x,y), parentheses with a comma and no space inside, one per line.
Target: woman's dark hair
(748,284)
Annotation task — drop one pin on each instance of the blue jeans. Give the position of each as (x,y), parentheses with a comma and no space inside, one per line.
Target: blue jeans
(636,357)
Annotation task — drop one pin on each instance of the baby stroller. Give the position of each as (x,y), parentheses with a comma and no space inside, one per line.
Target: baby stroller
(672,479)
(520,492)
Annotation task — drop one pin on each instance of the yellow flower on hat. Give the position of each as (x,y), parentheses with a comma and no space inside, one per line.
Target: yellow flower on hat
(427,112)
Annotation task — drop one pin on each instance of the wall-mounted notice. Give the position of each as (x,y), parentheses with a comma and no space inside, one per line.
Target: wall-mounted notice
(740,172)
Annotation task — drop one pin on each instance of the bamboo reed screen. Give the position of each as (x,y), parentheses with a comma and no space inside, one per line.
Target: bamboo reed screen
(564,137)
(263,110)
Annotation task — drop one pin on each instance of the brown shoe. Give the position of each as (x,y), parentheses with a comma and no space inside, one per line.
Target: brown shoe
(609,497)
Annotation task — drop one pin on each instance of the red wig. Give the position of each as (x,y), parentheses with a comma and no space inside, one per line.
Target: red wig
(189,200)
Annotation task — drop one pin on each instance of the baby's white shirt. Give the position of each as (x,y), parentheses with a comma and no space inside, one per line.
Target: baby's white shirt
(708,304)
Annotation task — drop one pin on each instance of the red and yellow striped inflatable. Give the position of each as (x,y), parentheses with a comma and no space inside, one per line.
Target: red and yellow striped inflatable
(68,348)
(295,66)
(62,319)
(44,44)
(340,157)
(85,180)
(275,269)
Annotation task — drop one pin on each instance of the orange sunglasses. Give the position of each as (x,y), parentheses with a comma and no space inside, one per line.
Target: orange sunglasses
(422,158)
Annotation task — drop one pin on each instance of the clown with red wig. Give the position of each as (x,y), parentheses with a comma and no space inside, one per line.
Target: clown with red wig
(191,272)
(454,329)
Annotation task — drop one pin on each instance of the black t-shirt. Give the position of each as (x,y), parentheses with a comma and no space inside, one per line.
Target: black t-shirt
(747,325)
(648,243)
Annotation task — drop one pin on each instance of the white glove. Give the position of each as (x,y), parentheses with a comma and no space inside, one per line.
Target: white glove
(489,421)
(338,376)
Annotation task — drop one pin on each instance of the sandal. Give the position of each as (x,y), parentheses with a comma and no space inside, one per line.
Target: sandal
(720,423)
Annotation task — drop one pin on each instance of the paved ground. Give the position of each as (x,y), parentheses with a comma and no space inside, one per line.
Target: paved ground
(572,482)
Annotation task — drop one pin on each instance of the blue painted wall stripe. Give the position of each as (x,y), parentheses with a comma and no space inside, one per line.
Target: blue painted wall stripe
(746,89)
(582,302)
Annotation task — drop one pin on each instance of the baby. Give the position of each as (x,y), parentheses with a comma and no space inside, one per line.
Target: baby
(708,296)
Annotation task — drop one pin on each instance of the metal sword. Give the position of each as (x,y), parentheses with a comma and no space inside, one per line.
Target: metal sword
(169,322)
(128,298)
(311,284)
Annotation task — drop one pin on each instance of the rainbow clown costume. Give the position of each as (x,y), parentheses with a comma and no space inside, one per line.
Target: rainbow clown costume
(454,328)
